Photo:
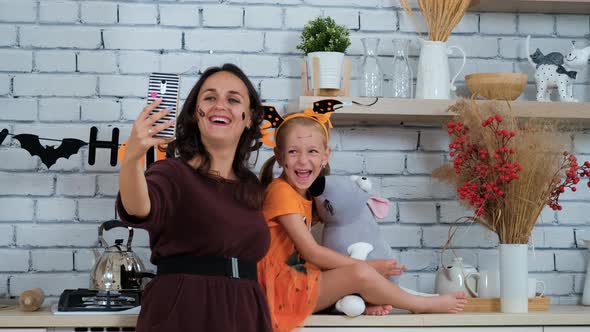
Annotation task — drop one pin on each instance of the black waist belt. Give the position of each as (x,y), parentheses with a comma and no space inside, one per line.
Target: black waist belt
(230,267)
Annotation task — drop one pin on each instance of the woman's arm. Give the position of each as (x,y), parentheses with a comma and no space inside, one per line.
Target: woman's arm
(323,257)
(132,182)
(133,189)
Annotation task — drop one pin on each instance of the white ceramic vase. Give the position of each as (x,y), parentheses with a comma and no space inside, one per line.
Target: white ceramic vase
(586,294)
(330,69)
(514,278)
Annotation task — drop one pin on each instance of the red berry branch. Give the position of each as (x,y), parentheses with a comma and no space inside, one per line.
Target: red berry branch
(573,174)
(489,171)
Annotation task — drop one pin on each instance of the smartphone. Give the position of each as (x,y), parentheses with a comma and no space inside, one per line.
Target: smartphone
(167,87)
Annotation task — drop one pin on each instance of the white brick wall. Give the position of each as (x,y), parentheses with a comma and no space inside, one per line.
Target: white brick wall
(5,84)
(132,13)
(68,65)
(58,12)
(16,60)
(52,260)
(55,61)
(98,12)
(19,11)
(222,16)
(54,85)
(259,17)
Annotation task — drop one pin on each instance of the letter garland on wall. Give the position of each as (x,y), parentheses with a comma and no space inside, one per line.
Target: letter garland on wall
(49,154)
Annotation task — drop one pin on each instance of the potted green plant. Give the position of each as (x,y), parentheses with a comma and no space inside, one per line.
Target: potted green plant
(326,40)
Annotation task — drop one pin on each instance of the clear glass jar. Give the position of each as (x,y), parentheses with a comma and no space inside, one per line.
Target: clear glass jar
(402,76)
(372,74)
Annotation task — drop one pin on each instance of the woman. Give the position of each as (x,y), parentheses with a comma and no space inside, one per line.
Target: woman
(201,209)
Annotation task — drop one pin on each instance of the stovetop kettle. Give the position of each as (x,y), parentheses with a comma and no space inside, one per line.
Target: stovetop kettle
(118,267)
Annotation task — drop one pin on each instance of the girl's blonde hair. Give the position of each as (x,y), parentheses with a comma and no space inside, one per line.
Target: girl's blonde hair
(266,173)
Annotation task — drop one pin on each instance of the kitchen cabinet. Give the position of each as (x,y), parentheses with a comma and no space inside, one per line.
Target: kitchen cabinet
(427,329)
(576,317)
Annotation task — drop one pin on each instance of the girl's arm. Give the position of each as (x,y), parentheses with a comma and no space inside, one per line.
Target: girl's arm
(324,258)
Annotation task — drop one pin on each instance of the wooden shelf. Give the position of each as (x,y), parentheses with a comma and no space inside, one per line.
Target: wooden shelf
(389,111)
(532,6)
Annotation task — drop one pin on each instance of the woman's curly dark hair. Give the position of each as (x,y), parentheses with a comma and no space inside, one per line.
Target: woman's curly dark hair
(188,143)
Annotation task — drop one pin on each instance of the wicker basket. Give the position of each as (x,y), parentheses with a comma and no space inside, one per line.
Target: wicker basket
(500,86)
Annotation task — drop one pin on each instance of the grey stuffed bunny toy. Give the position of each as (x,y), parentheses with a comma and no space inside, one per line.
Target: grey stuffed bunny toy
(348,213)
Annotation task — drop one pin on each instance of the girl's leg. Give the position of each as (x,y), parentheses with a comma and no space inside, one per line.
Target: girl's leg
(374,288)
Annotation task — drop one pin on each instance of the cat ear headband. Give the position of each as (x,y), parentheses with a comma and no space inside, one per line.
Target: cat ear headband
(322,110)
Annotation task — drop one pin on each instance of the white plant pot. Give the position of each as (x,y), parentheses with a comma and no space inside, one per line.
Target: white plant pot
(514,278)
(330,69)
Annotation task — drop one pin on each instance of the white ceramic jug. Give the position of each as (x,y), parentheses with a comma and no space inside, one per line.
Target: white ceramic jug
(433,80)
(586,294)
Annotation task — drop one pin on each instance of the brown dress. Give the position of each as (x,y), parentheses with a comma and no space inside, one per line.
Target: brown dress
(196,215)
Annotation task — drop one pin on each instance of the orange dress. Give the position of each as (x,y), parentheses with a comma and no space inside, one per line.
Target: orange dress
(290,283)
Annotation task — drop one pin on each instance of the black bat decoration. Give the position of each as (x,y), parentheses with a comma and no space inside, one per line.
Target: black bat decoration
(271,115)
(48,154)
(325,105)
(3,135)
(274,119)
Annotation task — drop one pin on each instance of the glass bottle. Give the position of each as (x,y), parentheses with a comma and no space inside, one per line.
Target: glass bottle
(372,74)
(402,76)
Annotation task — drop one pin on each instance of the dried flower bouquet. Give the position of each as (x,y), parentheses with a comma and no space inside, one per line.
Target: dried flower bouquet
(505,170)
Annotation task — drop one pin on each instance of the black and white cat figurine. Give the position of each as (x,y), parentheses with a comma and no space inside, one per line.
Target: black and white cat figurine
(552,71)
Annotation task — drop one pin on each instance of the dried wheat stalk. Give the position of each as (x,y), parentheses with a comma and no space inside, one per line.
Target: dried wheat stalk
(441,16)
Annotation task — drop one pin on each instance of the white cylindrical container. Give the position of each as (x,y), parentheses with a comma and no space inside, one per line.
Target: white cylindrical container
(330,69)
(513,278)
(586,294)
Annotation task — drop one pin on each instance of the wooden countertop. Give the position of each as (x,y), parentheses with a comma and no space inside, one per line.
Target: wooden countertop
(557,315)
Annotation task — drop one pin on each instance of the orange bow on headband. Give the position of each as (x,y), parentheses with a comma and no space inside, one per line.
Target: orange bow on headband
(321,113)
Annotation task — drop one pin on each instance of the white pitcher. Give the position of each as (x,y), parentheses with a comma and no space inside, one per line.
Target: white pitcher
(433,80)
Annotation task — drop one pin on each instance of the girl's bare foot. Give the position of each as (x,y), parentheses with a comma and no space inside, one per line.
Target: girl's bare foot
(378,310)
(448,303)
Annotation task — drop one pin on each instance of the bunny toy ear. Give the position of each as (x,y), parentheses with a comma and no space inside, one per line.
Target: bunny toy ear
(379,206)
(272,119)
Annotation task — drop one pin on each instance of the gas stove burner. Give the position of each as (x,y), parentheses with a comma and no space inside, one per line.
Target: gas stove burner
(94,300)
(114,301)
(112,293)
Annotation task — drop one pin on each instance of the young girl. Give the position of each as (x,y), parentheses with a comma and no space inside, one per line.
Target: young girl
(300,276)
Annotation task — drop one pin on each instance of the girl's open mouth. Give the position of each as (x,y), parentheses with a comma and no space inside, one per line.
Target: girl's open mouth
(303,174)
